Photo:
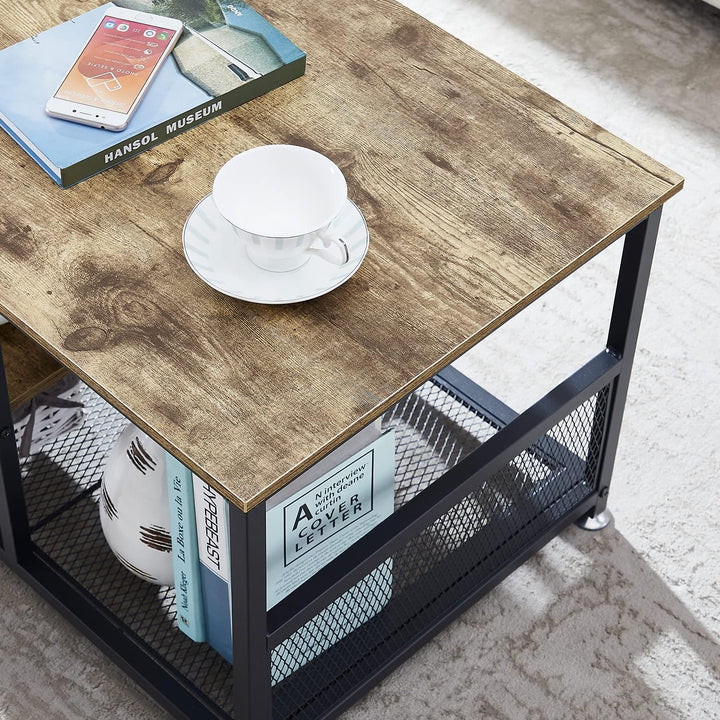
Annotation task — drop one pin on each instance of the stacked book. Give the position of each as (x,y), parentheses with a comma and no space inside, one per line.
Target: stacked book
(309,522)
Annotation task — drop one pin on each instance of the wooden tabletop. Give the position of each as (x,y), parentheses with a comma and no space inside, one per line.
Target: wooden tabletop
(480,191)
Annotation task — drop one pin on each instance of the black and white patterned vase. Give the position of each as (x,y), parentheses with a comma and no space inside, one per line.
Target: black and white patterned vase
(134,510)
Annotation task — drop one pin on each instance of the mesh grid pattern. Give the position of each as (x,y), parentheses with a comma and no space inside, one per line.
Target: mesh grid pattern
(434,431)
(72,465)
(363,601)
(341,646)
(443,564)
(62,484)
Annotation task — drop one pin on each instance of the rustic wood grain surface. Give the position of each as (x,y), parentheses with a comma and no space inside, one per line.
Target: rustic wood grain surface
(28,368)
(480,191)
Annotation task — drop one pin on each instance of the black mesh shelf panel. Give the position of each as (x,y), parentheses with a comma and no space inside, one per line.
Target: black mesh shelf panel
(62,484)
(439,567)
(404,595)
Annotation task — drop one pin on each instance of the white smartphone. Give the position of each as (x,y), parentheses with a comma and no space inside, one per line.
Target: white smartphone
(107,82)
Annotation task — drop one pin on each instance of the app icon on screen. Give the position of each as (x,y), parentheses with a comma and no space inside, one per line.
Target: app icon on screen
(110,24)
(162,36)
(149,33)
(123,27)
(105,80)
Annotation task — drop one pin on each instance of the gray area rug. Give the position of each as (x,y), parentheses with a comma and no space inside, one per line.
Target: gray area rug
(620,624)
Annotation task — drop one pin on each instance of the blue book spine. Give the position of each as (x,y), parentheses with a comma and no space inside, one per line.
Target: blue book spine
(211,519)
(186,564)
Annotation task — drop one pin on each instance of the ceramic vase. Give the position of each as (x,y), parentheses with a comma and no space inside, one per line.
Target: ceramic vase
(134,510)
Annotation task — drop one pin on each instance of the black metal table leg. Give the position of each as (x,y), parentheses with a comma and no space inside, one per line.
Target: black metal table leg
(14,529)
(627,310)
(251,656)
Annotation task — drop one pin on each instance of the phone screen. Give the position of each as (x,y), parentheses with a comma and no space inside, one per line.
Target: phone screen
(115,64)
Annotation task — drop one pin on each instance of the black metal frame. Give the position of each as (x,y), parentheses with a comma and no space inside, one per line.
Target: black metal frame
(630,293)
(257,631)
(14,528)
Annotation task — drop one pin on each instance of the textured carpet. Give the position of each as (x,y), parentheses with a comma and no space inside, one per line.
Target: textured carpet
(620,624)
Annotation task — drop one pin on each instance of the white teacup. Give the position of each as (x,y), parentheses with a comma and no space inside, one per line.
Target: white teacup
(281,200)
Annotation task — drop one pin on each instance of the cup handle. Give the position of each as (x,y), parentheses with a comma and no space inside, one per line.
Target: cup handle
(334,249)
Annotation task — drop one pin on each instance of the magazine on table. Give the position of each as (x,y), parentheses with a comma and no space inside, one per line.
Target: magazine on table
(227,55)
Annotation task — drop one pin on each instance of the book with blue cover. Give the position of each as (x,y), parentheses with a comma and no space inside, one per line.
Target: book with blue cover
(308,523)
(228,55)
(186,563)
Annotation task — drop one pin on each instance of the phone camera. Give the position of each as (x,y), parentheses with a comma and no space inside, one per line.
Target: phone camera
(74,110)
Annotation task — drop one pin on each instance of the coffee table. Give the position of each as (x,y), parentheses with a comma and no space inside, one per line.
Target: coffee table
(481,193)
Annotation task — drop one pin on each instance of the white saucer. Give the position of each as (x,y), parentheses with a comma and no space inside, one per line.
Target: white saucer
(219,258)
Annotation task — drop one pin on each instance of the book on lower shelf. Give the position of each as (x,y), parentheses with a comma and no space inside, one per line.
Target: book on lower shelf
(308,523)
(186,564)
(314,519)
(213,532)
(228,55)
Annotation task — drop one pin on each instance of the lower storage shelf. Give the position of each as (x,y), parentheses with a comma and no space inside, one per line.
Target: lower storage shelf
(468,548)
(62,488)
(407,596)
